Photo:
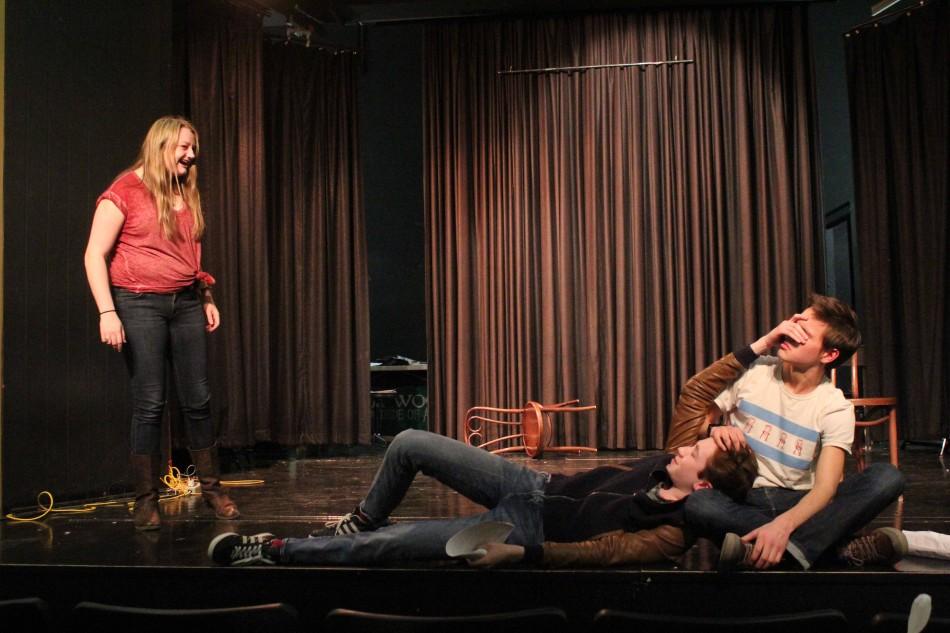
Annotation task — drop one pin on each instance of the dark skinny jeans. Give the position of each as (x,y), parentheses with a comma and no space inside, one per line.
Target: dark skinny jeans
(161,328)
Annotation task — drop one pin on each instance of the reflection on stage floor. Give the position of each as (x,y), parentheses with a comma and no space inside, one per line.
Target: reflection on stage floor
(300,494)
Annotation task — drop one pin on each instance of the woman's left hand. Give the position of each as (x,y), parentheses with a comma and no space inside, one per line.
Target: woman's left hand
(212,316)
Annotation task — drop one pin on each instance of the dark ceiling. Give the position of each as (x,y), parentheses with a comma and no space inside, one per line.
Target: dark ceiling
(334,24)
(350,12)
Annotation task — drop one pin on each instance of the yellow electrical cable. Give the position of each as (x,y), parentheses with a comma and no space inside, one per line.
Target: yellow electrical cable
(181,485)
(243,482)
(48,509)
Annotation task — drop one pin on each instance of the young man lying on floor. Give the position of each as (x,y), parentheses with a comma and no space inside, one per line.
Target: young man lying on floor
(610,515)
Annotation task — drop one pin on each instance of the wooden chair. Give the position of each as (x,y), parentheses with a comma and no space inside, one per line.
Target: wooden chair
(262,618)
(825,620)
(549,620)
(865,410)
(533,420)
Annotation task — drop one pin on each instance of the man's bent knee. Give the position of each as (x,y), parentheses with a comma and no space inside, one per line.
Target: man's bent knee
(888,481)
(408,440)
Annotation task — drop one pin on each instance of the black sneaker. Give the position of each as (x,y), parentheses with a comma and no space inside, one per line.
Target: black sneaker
(351,523)
(734,554)
(883,546)
(236,550)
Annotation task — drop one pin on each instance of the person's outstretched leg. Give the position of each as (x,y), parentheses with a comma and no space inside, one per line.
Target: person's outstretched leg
(928,544)
(475,473)
(403,542)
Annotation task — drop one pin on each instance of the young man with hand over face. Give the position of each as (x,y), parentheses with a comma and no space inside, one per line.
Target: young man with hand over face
(801,427)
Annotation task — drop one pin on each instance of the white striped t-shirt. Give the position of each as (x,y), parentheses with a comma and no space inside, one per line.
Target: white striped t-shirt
(786,430)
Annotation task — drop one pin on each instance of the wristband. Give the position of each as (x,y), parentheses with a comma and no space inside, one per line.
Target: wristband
(106,311)
(746,356)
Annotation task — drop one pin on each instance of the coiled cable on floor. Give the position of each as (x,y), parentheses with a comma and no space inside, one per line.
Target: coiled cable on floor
(179,484)
(47,509)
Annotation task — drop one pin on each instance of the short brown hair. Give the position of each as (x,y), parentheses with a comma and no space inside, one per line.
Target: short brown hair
(732,471)
(842,333)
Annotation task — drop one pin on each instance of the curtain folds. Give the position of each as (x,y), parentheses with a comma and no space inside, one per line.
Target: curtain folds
(226,105)
(602,235)
(281,189)
(898,86)
(319,283)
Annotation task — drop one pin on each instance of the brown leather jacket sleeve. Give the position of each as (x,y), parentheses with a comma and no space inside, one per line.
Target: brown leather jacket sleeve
(689,416)
(619,548)
(665,542)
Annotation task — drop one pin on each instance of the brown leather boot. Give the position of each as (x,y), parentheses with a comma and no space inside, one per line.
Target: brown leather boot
(146,469)
(206,463)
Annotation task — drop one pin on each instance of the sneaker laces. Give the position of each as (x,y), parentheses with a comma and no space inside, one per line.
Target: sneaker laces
(262,538)
(251,547)
(349,523)
(353,523)
(336,523)
(862,550)
(247,552)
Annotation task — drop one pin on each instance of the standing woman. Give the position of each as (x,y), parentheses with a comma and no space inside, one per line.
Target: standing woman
(143,262)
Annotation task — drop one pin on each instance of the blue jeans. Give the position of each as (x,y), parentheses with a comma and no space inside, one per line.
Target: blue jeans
(858,500)
(512,492)
(161,328)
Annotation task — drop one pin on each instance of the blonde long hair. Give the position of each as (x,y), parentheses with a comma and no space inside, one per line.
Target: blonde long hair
(163,184)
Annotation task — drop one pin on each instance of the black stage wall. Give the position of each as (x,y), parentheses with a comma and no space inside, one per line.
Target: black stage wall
(82,82)
(391,150)
(827,22)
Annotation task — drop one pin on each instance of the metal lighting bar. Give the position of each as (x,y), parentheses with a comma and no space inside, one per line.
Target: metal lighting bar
(880,7)
(575,69)
(886,17)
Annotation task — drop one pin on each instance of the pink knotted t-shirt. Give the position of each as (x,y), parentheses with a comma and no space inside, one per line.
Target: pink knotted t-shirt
(143,260)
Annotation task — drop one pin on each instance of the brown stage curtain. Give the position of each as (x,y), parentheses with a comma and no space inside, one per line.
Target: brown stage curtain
(320,305)
(226,105)
(285,239)
(603,235)
(898,83)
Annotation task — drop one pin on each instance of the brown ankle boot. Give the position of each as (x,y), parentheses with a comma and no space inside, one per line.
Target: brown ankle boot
(145,514)
(206,463)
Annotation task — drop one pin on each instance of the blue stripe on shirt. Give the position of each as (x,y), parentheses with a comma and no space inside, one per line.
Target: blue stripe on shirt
(765,450)
(776,420)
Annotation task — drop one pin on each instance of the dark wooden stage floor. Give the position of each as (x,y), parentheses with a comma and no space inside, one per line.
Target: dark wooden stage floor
(100,557)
